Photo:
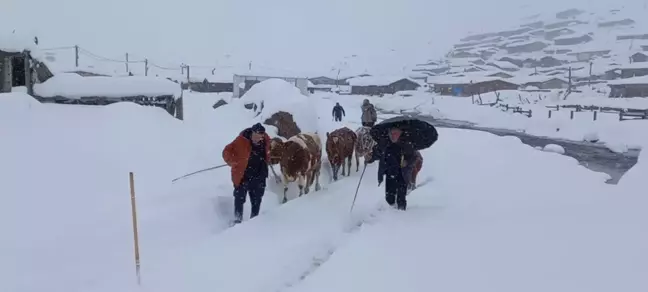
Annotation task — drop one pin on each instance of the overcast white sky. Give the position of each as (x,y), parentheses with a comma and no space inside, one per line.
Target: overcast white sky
(303,35)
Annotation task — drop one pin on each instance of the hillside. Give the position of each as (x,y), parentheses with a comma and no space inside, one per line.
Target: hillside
(597,45)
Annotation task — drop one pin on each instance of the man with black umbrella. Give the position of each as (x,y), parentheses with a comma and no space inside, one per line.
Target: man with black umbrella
(396,161)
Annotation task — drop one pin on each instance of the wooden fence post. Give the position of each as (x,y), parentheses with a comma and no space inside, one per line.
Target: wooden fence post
(135,233)
(571,115)
(549,114)
(595,115)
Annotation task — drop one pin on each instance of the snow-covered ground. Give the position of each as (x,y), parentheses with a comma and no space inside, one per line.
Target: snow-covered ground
(617,135)
(495,215)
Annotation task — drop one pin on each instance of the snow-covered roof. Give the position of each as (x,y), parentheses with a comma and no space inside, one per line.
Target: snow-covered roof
(636,65)
(465,78)
(72,85)
(376,80)
(533,79)
(271,73)
(629,81)
(14,43)
(504,64)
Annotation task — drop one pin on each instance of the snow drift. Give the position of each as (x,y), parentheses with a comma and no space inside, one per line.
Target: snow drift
(275,95)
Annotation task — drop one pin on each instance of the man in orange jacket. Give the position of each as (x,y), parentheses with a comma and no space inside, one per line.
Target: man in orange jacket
(248,156)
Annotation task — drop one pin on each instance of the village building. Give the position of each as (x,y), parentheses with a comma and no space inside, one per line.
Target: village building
(552,34)
(541,82)
(504,65)
(570,41)
(613,23)
(19,68)
(634,70)
(644,48)
(587,55)
(243,82)
(379,85)
(632,37)
(526,47)
(561,24)
(630,87)
(469,85)
(221,82)
(639,57)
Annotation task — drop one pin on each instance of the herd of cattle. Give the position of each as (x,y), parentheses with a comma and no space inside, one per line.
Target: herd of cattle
(300,157)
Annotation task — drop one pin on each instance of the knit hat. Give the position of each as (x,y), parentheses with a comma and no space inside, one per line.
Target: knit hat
(258,128)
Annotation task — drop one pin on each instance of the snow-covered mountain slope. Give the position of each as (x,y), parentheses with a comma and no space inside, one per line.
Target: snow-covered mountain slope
(503,220)
(549,43)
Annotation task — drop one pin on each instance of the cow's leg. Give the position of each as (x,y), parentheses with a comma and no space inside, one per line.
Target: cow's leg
(301,181)
(349,164)
(316,175)
(308,180)
(285,184)
(335,171)
(357,156)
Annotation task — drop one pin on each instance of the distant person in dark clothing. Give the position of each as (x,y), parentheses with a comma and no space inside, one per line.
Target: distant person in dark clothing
(338,112)
(248,156)
(396,161)
(369,116)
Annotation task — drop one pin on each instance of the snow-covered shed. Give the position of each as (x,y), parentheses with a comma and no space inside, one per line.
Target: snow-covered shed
(378,85)
(71,88)
(18,66)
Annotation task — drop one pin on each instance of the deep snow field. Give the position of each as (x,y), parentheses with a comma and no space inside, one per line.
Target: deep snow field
(496,215)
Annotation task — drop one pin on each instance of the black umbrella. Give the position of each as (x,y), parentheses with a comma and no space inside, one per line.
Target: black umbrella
(420,134)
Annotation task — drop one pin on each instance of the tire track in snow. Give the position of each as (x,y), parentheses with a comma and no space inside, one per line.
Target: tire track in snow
(353,229)
(373,216)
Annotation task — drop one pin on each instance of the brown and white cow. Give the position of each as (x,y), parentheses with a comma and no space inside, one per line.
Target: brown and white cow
(339,148)
(300,159)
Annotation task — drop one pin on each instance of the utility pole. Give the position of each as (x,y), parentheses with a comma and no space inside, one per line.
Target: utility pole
(213,70)
(127,63)
(590,74)
(188,80)
(250,66)
(76,56)
(182,66)
(146,67)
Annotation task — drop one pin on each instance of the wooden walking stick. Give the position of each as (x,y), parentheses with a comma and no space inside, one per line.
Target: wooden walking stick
(135,234)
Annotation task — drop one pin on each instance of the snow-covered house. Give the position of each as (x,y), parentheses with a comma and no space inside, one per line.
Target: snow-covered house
(629,87)
(469,84)
(245,80)
(541,82)
(634,69)
(587,55)
(378,85)
(221,82)
(639,57)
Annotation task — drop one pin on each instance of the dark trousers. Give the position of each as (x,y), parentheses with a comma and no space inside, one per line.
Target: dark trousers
(396,189)
(256,189)
(338,118)
(367,124)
